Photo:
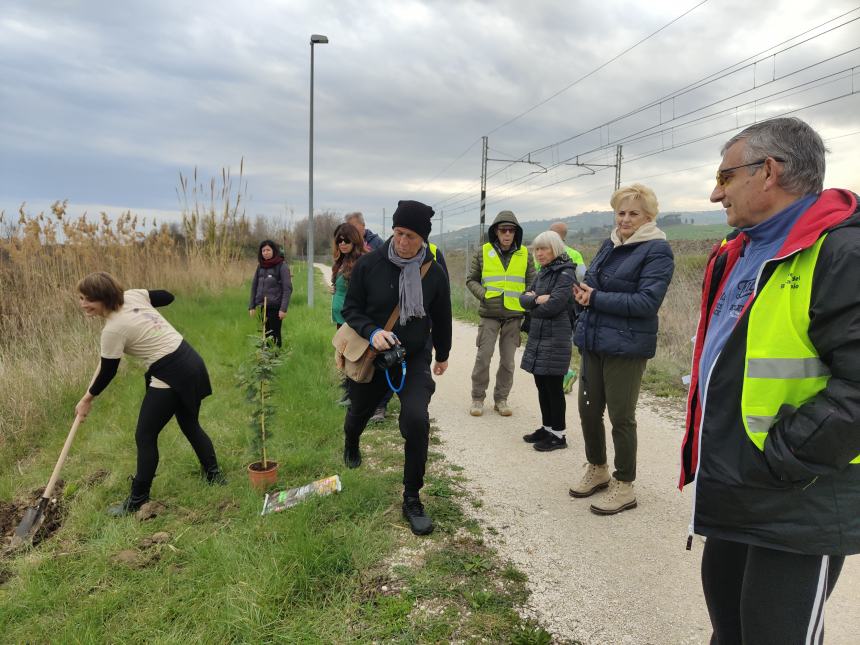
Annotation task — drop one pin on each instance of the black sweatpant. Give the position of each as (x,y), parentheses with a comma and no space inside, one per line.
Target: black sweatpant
(552,404)
(272,324)
(158,406)
(760,596)
(414,418)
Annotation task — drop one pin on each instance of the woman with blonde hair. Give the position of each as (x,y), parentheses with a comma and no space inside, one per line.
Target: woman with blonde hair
(176,376)
(549,301)
(616,334)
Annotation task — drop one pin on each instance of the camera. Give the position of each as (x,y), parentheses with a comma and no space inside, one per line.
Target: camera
(390,358)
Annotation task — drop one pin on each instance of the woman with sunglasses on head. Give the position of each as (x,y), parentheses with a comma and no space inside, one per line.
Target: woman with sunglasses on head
(273,286)
(347,247)
(616,333)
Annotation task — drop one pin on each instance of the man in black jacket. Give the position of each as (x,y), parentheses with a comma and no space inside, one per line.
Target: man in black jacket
(773,413)
(386,278)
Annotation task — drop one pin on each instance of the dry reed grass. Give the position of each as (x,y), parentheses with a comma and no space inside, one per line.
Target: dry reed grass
(48,350)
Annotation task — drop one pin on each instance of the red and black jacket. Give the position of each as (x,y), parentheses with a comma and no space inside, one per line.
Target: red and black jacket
(799,494)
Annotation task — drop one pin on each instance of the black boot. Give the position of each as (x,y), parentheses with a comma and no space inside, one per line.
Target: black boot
(214,475)
(351,453)
(551,442)
(138,497)
(413,511)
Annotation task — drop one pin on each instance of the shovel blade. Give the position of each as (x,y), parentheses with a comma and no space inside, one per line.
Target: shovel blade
(29,526)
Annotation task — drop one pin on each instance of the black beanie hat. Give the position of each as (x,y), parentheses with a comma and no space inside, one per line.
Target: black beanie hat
(413,215)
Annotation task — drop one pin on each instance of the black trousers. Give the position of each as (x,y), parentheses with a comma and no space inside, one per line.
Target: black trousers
(272,324)
(552,404)
(414,418)
(158,406)
(761,596)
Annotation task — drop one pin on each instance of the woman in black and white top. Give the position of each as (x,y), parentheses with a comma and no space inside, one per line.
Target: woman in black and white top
(176,377)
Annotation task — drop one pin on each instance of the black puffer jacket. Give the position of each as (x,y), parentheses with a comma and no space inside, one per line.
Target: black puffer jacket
(621,319)
(548,349)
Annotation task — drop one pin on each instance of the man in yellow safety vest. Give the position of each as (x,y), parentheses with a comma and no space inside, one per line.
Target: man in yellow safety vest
(773,412)
(499,274)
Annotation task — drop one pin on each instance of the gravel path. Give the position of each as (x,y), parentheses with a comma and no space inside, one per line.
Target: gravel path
(625,579)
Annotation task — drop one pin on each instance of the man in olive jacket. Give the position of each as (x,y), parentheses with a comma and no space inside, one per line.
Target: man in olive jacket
(500,272)
(773,414)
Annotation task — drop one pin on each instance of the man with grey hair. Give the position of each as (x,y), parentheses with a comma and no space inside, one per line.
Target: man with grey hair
(371,240)
(574,255)
(773,412)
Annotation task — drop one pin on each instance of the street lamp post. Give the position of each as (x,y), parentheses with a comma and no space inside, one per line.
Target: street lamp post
(316,39)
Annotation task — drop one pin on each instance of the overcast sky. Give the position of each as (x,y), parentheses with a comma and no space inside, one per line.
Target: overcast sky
(105,103)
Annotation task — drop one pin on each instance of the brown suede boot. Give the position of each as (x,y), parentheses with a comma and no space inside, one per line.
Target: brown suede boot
(595,478)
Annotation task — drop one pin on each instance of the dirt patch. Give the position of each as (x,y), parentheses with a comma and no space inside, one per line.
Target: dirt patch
(150,510)
(135,559)
(5,574)
(11,514)
(147,553)
(379,584)
(96,478)
(162,537)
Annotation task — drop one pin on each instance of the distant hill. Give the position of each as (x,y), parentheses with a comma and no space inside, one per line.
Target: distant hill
(594,225)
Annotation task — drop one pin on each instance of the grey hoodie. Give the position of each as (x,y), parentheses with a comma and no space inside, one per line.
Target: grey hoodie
(495,307)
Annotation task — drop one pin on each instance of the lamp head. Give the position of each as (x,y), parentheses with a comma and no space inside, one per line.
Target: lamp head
(318,39)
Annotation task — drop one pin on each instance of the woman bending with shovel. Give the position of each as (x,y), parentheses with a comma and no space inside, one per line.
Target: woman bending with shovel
(176,377)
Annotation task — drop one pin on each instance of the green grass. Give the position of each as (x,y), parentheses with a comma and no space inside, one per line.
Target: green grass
(321,572)
(714,232)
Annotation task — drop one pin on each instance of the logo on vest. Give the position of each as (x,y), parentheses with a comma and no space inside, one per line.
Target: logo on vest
(791,282)
(492,254)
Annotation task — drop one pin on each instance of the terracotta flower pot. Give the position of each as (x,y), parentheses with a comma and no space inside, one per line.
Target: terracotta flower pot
(263,478)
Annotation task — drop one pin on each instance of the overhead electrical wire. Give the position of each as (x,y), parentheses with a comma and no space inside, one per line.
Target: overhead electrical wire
(564,89)
(453,204)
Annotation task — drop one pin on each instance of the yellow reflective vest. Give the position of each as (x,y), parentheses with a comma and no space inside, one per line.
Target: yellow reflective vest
(510,282)
(782,365)
(433,248)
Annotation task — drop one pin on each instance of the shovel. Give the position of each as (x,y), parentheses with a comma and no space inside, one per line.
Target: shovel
(35,515)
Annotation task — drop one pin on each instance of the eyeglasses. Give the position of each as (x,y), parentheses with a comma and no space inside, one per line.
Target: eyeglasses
(725,175)
(343,240)
(506,229)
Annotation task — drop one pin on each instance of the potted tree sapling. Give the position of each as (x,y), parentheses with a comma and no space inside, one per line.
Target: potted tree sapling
(256,378)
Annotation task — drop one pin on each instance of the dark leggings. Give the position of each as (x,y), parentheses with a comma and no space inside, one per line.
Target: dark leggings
(272,324)
(159,405)
(762,596)
(551,398)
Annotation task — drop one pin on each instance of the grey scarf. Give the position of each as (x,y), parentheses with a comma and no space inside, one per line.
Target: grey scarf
(411,294)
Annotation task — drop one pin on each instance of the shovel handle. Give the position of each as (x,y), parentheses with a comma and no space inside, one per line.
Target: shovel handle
(49,489)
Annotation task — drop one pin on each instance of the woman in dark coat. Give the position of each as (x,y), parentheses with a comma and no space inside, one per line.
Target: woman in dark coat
(271,284)
(547,353)
(616,334)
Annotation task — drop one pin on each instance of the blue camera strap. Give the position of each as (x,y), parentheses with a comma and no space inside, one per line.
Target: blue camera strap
(402,378)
